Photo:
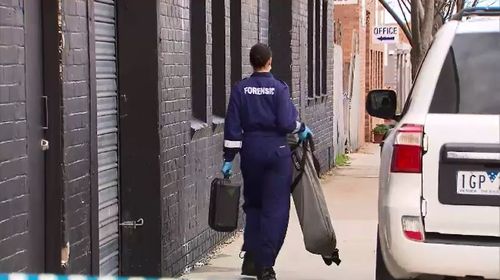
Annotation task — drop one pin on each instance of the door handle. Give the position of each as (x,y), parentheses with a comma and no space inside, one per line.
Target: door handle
(45,107)
(133,224)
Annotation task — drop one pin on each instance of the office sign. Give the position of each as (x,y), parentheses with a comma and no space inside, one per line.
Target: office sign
(385,34)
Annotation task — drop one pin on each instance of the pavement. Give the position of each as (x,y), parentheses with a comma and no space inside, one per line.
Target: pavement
(351,194)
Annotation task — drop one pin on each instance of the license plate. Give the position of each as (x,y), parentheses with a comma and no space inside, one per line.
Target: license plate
(478,182)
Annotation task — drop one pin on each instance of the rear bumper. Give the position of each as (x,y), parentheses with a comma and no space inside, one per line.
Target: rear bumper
(406,259)
(412,259)
(400,196)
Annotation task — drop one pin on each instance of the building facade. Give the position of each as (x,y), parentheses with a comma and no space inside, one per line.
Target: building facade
(111,122)
(363,61)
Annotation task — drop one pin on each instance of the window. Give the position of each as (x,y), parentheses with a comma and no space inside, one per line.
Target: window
(317,53)
(324,49)
(310,48)
(235,11)
(218,58)
(198,60)
(280,39)
(317,28)
(468,83)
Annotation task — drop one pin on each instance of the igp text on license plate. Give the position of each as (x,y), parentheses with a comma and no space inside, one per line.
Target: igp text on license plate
(478,182)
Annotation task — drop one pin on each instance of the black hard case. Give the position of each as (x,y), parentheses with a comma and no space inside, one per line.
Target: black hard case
(224,205)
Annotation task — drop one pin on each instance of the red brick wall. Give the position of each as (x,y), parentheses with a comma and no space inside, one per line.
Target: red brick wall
(371,56)
(345,14)
(375,63)
(348,15)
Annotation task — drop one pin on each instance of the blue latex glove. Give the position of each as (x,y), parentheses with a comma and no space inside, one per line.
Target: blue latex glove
(305,134)
(227,169)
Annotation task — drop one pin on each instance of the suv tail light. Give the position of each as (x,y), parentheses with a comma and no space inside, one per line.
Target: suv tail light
(412,228)
(407,154)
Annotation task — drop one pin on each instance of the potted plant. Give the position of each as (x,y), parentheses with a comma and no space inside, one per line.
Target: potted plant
(379,131)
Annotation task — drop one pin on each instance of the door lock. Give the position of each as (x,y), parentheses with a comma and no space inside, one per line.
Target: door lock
(44,144)
(133,224)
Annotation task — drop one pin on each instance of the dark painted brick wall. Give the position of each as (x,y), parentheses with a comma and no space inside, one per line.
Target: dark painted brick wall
(189,158)
(263,18)
(250,30)
(189,163)
(317,114)
(76,134)
(13,154)
(14,195)
(174,82)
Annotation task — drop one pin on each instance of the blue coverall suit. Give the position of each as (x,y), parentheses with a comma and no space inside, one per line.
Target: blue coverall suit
(259,117)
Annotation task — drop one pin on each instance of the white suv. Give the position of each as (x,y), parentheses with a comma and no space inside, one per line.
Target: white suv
(439,199)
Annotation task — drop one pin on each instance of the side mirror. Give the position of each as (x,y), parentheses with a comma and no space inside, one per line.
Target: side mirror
(381,104)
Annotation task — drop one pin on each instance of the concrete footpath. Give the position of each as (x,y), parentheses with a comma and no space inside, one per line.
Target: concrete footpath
(351,194)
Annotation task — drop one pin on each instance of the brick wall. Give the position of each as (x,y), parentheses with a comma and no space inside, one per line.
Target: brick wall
(76,134)
(192,151)
(250,31)
(327,137)
(375,68)
(362,49)
(175,114)
(14,195)
(264,20)
(349,17)
(368,71)
(318,114)
(371,57)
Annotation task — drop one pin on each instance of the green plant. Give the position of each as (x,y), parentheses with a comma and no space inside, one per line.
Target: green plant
(342,160)
(381,129)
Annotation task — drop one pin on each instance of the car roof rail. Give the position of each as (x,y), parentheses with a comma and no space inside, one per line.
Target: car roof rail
(477,11)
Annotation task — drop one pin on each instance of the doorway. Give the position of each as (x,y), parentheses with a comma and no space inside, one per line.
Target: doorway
(36,126)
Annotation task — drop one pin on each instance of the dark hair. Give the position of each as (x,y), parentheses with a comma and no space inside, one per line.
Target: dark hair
(260,55)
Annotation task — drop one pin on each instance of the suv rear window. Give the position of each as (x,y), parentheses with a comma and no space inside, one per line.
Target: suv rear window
(469,82)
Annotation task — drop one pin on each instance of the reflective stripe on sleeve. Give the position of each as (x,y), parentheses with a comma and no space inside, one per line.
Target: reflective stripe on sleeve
(232,144)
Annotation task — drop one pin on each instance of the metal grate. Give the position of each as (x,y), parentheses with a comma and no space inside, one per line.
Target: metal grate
(107,135)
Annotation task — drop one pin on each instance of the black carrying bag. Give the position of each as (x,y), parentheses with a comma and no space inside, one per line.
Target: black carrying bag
(310,203)
(301,161)
(224,206)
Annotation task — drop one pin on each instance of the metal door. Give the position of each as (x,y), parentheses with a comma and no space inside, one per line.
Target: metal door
(36,122)
(107,135)
(140,176)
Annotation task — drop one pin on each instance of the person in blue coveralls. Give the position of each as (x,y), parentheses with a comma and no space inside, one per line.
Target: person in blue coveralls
(259,117)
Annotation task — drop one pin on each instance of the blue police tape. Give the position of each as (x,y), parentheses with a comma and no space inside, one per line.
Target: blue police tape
(20,276)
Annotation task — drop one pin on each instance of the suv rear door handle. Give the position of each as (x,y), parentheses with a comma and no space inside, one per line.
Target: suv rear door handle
(423,207)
